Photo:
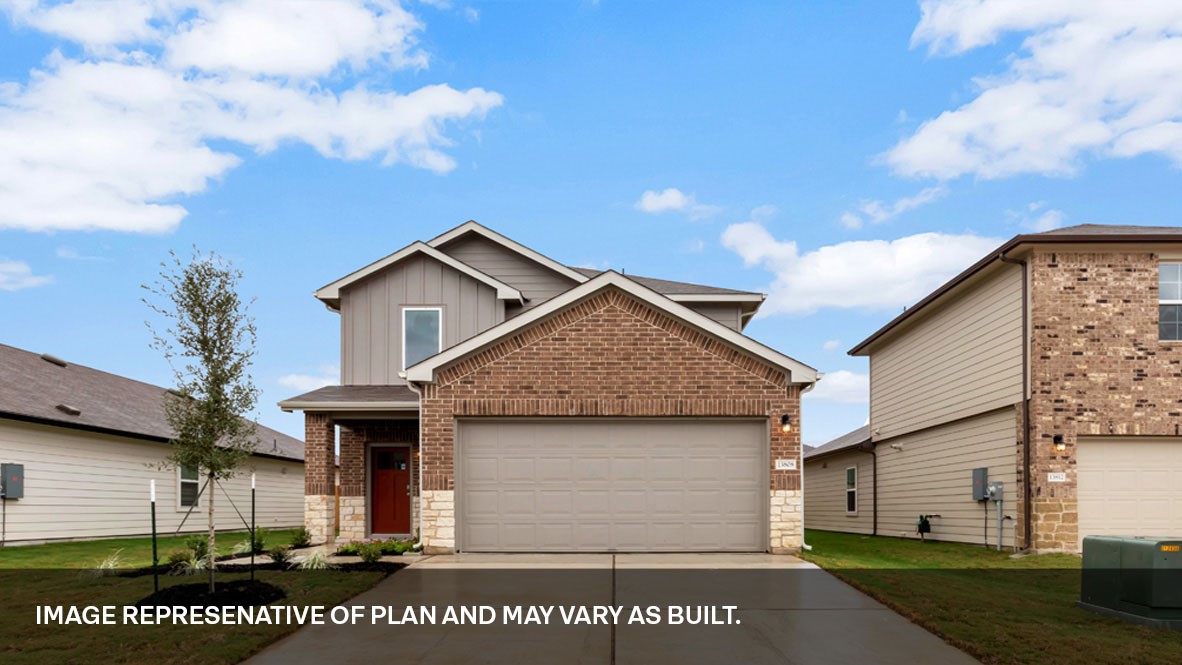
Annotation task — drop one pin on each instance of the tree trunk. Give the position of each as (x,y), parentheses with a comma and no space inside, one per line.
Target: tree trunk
(212,532)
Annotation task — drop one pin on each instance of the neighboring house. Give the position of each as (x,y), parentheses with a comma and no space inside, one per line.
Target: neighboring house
(561,409)
(839,484)
(90,442)
(1082,324)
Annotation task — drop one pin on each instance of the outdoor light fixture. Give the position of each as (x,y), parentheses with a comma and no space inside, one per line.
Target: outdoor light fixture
(1058,441)
(785,423)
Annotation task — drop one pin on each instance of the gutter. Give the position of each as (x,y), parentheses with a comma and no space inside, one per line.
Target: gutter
(1028,485)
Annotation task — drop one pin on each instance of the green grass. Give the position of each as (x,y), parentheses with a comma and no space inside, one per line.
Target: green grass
(998,609)
(137,552)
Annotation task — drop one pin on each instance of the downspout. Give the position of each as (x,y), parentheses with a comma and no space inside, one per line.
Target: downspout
(868,448)
(419,461)
(1028,485)
(803,544)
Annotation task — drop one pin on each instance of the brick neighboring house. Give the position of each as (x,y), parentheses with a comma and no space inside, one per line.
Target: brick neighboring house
(493,399)
(1082,325)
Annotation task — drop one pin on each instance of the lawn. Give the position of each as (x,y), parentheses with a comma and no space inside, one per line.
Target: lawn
(136,552)
(996,608)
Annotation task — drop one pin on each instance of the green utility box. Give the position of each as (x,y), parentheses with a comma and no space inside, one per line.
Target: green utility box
(1135,579)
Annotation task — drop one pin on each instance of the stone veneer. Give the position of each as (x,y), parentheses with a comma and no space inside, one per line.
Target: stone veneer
(1097,369)
(318,512)
(353,518)
(608,355)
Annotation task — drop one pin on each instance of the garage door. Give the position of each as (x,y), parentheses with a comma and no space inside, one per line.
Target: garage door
(1130,487)
(569,485)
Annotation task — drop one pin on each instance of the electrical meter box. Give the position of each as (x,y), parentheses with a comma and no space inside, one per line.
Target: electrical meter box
(1136,579)
(13,484)
(980,484)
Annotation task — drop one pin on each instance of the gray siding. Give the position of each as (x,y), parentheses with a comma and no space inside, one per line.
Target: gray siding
(728,314)
(932,474)
(371,315)
(84,485)
(964,358)
(536,282)
(824,493)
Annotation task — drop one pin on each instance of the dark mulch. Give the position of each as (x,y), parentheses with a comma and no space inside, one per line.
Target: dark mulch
(386,567)
(244,593)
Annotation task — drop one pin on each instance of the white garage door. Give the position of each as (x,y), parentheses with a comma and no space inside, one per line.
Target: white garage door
(1129,487)
(570,485)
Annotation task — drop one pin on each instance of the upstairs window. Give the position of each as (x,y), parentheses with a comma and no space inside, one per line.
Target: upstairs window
(189,481)
(851,490)
(421,336)
(1169,302)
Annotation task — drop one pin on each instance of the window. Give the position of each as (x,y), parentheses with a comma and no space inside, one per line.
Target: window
(190,484)
(1169,302)
(421,336)
(851,490)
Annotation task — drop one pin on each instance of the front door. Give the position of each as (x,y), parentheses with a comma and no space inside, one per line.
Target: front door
(389,489)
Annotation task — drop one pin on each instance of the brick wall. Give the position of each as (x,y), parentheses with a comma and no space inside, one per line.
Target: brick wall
(1097,368)
(610,355)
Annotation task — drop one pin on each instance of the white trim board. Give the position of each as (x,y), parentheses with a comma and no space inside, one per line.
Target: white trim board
(799,373)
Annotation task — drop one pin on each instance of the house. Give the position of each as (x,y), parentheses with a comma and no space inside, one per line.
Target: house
(493,399)
(839,484)
(90,443)
(1056,359)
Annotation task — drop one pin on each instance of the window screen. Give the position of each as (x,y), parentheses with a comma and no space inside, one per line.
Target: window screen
(420,334)
(190,481)
(1169,302)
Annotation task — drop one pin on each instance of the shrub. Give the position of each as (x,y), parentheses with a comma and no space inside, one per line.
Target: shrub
(315,561)
(280,555)
(301,537)
(107,566)
(350,549)
(198,545)
(259,541)
(177,556)
(191,564)
(370,552)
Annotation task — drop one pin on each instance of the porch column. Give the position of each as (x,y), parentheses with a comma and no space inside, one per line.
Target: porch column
(353,512)
(319,477)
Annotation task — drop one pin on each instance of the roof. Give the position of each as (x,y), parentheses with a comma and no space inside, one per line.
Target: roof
(670,288)
(799,373)
(79,397)
(471,226)
(1080,233)
(331,293)
(355,398)
(844,442)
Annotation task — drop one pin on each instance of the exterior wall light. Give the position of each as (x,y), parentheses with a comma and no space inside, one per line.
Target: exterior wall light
(1058,441)
(785,423)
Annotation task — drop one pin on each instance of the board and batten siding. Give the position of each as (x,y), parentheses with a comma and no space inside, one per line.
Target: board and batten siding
(824,493)
(371,315)
(728,314)
(931,472)
(536,282)
(81,484)
(962,359)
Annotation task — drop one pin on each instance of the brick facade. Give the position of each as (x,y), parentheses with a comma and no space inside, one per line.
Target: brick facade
(319,476)
(608,355)
(1097,369)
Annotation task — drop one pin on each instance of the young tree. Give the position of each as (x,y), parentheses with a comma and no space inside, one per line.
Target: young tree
(209,340)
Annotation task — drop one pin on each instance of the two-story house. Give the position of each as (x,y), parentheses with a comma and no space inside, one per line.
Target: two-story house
(1056,359)
(494,399)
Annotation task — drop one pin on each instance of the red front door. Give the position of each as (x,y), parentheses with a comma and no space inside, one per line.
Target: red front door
(389,510)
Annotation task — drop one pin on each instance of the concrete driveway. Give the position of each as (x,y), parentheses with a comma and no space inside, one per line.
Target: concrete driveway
(787,611)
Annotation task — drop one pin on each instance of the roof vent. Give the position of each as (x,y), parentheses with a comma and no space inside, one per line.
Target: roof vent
(68,410)
(53,360)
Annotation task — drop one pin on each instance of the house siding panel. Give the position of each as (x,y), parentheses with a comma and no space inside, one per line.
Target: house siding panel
(536,282)
(728,314)
(824,493)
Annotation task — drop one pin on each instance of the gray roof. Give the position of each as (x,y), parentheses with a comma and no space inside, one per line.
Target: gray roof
(671,288)
(1113,230)
(330,395)
(33,388)
(847,440)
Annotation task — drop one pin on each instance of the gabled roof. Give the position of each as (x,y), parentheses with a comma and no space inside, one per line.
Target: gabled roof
(474,227)
(1078,234)
(331,293)
(69,395)
(685,291)
(846,441)
(798,372)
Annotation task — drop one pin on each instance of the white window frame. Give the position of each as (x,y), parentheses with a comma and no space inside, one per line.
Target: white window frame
(1162,301)
(848,490)
(421,308)
(180,481)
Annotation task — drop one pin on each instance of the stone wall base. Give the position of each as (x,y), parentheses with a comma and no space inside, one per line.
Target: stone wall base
(353,520)
(786,522)
(318,517)
(439,521)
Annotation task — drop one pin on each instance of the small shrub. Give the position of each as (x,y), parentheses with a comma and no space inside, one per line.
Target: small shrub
(191,564)
(259,541)
(315,561)
(301,538)
(350,549)
(107,566)
(177,556)
(370,552)
(198,545)
(280,555)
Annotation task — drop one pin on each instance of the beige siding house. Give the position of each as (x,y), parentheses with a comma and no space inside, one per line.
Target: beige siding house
(90,443)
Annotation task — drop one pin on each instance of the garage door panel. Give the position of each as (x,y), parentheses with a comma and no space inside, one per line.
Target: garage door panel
(1129,486)
(620,485)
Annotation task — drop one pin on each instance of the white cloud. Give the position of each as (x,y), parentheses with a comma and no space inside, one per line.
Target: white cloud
(17,275)
(72,254)
(111,141)
(832,345)
(877,212)
(842,386)
(674,200)
(329,376)
(865,274)
(1091,78)
(1037,217)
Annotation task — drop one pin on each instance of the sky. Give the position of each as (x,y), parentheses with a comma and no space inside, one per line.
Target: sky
(844,158)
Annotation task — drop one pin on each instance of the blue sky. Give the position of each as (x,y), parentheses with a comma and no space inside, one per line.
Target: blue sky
(845,158)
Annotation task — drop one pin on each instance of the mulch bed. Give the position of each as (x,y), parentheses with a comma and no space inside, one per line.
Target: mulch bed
(386,567)
(243,593)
